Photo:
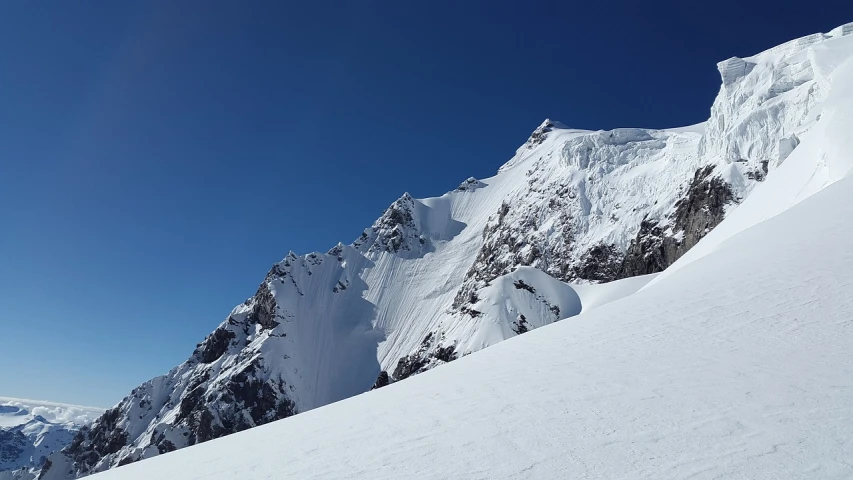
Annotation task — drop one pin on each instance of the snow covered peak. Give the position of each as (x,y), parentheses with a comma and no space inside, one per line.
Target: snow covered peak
(396,231)
(738,367)
(541,132)
(411,228)
(767,103)
(841,30)
(28,436)
(470,184)
(435,279)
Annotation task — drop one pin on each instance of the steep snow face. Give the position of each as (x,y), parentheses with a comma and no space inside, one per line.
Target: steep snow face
(580,198)
(520,301)
(439,278)
(30,431)
(824,145)
(409,227)
(304,340)
(769,101)
(736,366)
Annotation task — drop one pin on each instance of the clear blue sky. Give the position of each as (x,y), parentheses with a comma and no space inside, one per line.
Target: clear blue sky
(157,157)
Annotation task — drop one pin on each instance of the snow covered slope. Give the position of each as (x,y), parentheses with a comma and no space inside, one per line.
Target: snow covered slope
(735,366)
(31,430)
(435,279)
(824,79)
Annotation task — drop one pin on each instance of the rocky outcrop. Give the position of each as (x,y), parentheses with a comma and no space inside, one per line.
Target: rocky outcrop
(92,443)
(601,263)
(245,400)
(382,380)
(221,389)
(214,346)
(395,231)
(510,238)
(659,244)
(554,223)
(12,445)
(430,354)
(570,206)
(538,136)
(470,185)
(501,251)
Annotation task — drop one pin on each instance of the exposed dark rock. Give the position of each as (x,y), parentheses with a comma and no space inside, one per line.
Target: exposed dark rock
(337,252)
(191,402)
(340,287)
(12,444)
(395,231)
(703,208)
(445,354)
(214,346)
(758,174)
(510,239)
(470,184)
(246,392)
(161,443)
(520,325)
(408,366)
(264,401)
(498,255)
(520,285)
(538,136)
(381,380)
(601,263)
(264,309)
(91,443)
(166,446)
(700,210)
(428,353)
(45,468)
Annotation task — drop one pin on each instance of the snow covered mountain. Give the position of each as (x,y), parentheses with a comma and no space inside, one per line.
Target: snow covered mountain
(31,430)
(735,366)
(435,279)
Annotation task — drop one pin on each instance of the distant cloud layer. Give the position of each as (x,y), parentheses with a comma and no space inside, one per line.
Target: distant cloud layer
(55,412)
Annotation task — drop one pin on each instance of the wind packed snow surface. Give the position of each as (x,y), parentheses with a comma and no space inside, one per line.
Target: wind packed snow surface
(574,221)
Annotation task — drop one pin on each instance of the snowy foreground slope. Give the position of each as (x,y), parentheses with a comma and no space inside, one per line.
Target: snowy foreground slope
(736,366)
(30,430)
(436,279)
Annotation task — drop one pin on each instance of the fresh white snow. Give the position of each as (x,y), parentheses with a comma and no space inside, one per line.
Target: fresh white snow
(729,364)
(595,295)
(824,142)
(733,363)
(30,430)
(737,365)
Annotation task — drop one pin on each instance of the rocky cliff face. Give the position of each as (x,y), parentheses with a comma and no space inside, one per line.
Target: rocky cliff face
(660,243)
(437,278)
(246,373)
(224,387)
